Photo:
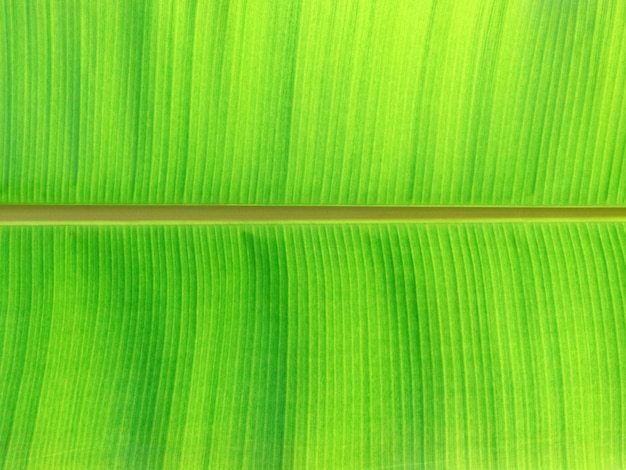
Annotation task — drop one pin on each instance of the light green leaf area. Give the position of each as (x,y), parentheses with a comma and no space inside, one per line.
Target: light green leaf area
(434,102)
(379,346)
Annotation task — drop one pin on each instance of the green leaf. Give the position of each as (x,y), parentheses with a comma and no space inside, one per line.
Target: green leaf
(463,345)
(487,102)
